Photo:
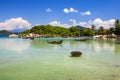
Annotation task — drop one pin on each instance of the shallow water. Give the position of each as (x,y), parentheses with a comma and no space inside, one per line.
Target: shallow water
(22,59)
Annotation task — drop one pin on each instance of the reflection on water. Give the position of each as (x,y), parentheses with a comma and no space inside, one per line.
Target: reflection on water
(14,45)
(43,44)
(96,46)
(22,59)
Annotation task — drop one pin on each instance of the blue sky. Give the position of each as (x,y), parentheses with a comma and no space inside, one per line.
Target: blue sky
(57,12)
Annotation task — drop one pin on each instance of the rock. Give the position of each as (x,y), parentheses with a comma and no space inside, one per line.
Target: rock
(117,65)
(76,53)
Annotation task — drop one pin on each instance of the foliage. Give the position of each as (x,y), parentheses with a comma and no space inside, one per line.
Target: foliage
(93,27)
(101,30)
(73,31)
(110,31)
(26,32)
(117,27)
(52,31)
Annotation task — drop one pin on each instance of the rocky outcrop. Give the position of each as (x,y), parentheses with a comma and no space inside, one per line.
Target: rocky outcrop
(76,54)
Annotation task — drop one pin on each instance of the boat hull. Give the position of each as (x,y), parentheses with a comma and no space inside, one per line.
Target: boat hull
(55,42)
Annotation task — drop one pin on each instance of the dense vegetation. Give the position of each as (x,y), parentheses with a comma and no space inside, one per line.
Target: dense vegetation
(117,27)
(74,31)
(57,31)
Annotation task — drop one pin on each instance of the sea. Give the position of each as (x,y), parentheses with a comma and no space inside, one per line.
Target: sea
(25,59)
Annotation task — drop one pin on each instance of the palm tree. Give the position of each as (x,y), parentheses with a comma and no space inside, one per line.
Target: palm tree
(93,27)
(101,30)
(117,27)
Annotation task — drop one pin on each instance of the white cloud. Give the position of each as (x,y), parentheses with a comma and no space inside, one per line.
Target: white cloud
(106,24)
(84,24)
(74,22)
(15,23)
(71,10)
(56,23)
(99,22)
(66,10)
(87,13)
(48,10)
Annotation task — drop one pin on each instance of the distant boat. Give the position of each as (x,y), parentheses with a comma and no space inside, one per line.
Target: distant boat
(31,38)
(24,37)
(90,38)
(55,41)
(81,39)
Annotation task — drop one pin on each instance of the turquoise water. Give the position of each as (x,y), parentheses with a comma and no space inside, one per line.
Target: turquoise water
(24,59)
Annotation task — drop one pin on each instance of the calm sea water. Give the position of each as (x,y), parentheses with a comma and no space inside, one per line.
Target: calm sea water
(22,59)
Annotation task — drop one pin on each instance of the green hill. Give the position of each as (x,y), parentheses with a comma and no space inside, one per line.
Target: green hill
(80,27)
(5,32)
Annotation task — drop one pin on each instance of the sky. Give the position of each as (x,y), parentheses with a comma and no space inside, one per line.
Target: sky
(23,14)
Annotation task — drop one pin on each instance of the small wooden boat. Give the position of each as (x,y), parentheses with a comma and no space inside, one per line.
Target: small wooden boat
(82,39)
(24,37)
(55,41)
(31,38)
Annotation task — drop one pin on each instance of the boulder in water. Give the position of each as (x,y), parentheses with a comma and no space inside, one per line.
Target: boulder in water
(76,54)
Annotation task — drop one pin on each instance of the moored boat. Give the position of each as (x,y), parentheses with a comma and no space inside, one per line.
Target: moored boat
(82,39)
(55,41)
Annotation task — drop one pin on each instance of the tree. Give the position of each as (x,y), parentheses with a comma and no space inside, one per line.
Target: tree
(117,27)
(74,31)
(87,32)
(93,27)
(101,30)
(26,32)
(117,21)
(112,30)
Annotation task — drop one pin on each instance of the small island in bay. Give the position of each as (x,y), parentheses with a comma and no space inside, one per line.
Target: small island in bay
(49,31)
